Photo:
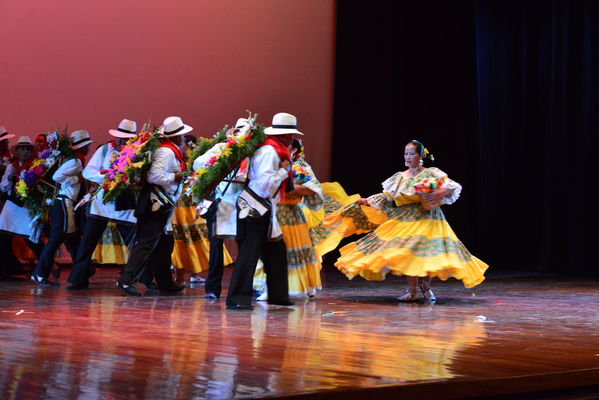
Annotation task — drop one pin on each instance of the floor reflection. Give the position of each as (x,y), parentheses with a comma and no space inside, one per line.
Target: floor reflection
(111,347)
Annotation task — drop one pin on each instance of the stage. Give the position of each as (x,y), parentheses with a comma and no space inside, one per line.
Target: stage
(514,334)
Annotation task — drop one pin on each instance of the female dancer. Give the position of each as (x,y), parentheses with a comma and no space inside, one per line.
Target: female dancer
(412,237)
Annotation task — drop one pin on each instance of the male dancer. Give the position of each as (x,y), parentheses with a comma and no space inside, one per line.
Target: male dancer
(260,236)
(154,212)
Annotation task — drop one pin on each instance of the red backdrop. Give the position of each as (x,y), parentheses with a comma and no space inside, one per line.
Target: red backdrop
(91,63)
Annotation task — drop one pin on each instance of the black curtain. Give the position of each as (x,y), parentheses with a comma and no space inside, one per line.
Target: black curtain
(502,92)
(537,118)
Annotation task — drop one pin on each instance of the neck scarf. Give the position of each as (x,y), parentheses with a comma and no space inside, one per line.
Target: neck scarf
(283,153)
(178,154)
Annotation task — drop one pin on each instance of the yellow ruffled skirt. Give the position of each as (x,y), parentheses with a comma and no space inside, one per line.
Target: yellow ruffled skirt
(407,241)
(326,232)
(192,246)
(111,248)
(303,265)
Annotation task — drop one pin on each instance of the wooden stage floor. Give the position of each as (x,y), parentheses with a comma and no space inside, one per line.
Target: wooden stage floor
(513,334)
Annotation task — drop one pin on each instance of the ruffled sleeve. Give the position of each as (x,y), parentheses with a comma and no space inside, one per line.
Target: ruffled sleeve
(453,188)
(316,201)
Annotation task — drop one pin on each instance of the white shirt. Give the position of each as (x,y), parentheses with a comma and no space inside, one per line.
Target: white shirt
(92,172)
(226,217)
(163,169)
(266,178)
(68,177)
(6,183)
(162,173)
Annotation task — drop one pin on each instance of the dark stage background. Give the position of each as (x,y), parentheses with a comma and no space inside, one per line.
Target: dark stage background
(503,93)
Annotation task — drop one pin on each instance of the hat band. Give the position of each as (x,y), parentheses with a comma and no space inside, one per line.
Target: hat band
(125,131)
(175,131)
(3,134)
(80,141)
(285,126)
(24,144)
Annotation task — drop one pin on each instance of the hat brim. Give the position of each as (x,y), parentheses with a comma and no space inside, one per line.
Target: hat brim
(35,147)
(120,134)
(281,131)
(186,129)
(5,137)
(82,144)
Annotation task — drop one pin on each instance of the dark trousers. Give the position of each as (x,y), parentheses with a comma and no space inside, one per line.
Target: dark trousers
(216,262)
(56,237)
(254,244)
(92,234)
(152,249)
(10,265)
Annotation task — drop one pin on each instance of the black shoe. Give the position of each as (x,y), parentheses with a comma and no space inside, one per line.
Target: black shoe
(281,303)
(151,286)
(129,290)
(43,281)
(239,307)
(210,296)
(77,286)
(173,290)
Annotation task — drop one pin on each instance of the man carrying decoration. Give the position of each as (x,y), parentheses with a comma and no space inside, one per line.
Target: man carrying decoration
(63,226)
(99,213)
(258,231)
(15,219)
(154,211)
(221,217)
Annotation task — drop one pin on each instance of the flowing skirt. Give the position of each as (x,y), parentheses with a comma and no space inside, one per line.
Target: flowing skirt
(111,248)
(192,246)
(408,240)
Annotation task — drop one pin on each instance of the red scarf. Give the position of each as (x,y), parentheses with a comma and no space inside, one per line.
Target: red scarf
(79,154)
(178,154)
(283,153)
(26,165)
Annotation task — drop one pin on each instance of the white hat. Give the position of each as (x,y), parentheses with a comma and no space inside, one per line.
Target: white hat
(283,124)
(126,129)
(241,122)
(174,126)
(4,134)
(80,139)
(24,141)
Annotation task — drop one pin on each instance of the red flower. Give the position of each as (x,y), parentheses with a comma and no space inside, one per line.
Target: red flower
(212,160)
(230,141)
(124,178)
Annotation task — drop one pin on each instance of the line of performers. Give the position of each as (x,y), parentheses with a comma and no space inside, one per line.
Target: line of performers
(283,227)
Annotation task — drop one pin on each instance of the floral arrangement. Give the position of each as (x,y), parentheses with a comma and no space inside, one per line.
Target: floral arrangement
(130,164)
(300,174)
(427,185)
(35,185)
(205,144)
(225,157)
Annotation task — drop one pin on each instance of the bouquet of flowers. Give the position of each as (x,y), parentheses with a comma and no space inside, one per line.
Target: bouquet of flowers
(228,155)
(427,185)
(205,144)
(35,185)
(130,164)
(300,174)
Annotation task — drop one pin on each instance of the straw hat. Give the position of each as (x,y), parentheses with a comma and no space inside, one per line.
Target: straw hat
(283,124)
(24,141)
(80,139)
(126,129)
(174,126)
(4,134)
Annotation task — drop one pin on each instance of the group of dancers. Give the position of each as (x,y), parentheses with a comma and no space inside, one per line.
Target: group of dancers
(282,218)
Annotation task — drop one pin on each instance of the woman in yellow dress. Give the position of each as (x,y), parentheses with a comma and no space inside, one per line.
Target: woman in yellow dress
(410,235)
(303,264)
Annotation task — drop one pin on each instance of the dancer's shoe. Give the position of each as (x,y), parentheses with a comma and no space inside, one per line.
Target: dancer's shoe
(411,294)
